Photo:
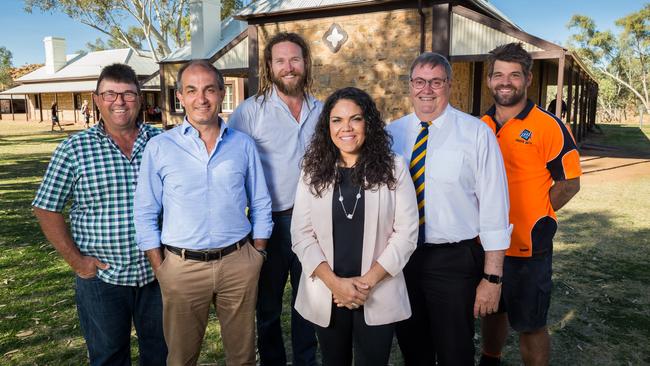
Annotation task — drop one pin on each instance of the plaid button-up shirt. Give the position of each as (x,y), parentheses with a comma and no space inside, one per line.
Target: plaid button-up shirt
(89,168)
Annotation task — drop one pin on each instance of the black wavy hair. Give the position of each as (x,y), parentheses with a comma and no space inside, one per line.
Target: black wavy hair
(375,165)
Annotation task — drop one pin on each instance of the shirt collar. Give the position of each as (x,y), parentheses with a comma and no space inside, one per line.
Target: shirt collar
(100,130)
(438,122)
(522,115)
(308,100)
(187,128)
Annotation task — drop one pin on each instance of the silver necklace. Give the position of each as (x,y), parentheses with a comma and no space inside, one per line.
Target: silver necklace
(349,215)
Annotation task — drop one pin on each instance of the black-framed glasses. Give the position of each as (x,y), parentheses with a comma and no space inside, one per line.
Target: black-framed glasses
(111,96)
(435,83)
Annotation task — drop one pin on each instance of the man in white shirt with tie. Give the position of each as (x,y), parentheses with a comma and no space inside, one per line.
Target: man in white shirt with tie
(461,186)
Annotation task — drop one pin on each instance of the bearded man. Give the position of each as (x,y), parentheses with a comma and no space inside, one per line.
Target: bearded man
(543,168)
(281,119)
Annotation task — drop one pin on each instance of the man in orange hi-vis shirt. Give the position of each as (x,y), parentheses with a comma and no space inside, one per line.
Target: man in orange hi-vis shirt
(543,169)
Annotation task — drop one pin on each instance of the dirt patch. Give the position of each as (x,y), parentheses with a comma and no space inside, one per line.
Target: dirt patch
(597,169)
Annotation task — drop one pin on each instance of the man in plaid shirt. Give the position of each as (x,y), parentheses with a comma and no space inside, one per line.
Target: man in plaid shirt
(97,170)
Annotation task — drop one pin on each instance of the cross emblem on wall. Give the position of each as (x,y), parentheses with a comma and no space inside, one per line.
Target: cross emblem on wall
(335,37)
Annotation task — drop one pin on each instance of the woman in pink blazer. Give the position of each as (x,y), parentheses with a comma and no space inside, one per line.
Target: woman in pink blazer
(354,228)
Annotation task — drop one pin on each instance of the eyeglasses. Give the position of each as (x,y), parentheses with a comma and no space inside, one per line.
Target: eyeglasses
(435,83)
(111,96)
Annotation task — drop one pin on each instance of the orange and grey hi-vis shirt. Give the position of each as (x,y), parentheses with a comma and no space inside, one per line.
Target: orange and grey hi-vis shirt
(537,150)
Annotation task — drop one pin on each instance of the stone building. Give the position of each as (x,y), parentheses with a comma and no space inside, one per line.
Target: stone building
(370,44)
(68,80)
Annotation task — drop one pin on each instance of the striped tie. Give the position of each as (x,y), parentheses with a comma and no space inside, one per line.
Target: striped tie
(417,173)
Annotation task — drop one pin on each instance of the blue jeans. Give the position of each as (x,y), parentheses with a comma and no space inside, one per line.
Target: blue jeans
(106,313)
(281,263)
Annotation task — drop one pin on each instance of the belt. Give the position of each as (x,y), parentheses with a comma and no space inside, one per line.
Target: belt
(472,241)
(207,255)
(286,212)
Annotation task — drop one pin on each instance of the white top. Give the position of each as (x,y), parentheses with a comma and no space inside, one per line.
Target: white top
(466,191)
(281,140)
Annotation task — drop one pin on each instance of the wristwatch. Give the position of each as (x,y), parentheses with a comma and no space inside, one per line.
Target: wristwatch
(493,278)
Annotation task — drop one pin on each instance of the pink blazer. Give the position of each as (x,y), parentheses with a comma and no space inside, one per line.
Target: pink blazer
(390,236)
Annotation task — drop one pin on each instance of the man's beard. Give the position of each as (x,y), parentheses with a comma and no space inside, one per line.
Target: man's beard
(508,101)
(293,90)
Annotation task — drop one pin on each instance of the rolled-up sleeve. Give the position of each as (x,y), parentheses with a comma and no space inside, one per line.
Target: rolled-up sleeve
(492,193)
(258,196)
(147,203)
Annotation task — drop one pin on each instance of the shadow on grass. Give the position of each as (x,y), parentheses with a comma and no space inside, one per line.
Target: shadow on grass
(617,141)
(600,312)
(23,166)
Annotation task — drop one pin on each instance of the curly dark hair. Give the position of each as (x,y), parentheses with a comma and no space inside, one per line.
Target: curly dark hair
(375,165)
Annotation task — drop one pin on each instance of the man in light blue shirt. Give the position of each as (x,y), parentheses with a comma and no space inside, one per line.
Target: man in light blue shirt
(199,178)
(281,119)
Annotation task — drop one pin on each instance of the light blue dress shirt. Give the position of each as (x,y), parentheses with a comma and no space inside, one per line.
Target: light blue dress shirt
(281,140)
(202,198)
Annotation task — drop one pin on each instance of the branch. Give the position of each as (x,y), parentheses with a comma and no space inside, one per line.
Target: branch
(645,102)
(180,41)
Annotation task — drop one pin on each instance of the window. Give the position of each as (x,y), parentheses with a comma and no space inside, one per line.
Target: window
(228,100)
(77,101)
(150,99)
(174,103)
(37,101)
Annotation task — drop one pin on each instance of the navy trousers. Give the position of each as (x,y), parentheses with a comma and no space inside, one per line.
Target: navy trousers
(281,264)
(106,313)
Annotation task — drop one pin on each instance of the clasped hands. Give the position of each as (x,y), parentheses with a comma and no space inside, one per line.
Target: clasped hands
(350,292)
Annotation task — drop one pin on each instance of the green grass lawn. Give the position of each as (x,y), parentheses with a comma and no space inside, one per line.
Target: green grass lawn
(600,313)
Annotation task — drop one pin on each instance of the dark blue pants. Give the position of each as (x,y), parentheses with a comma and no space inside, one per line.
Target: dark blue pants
(106,313)
(441,282)
(281,263)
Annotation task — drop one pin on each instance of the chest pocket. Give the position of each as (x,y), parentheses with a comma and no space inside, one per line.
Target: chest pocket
(229,174)
(444,166)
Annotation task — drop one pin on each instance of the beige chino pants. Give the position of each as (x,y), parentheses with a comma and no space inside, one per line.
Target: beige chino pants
(189,287)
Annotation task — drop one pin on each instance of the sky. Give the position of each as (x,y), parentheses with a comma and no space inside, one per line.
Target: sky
(23,33)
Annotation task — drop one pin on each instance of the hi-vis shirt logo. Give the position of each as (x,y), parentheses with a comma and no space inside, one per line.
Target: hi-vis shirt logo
(525,134)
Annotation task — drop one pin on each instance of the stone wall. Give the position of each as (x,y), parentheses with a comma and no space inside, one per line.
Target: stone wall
(376,56)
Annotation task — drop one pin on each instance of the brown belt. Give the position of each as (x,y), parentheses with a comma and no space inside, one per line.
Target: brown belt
(209,254)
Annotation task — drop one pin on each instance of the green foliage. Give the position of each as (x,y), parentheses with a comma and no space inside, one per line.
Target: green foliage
(229,7)
(620,61)
(5,68)
(134,34)
(159,25)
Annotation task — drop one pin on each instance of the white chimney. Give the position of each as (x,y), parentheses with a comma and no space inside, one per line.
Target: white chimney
(54,54)
(205,26)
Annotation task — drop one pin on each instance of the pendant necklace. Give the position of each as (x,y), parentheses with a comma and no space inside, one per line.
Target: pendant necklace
(349,215)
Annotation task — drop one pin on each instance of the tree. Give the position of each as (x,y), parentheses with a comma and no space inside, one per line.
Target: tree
(624,58)
(134,34)
(160,25)
(5,68)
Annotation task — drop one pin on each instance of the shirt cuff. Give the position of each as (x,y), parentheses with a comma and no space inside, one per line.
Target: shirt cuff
(146,242)
(262,232)
(496,240)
